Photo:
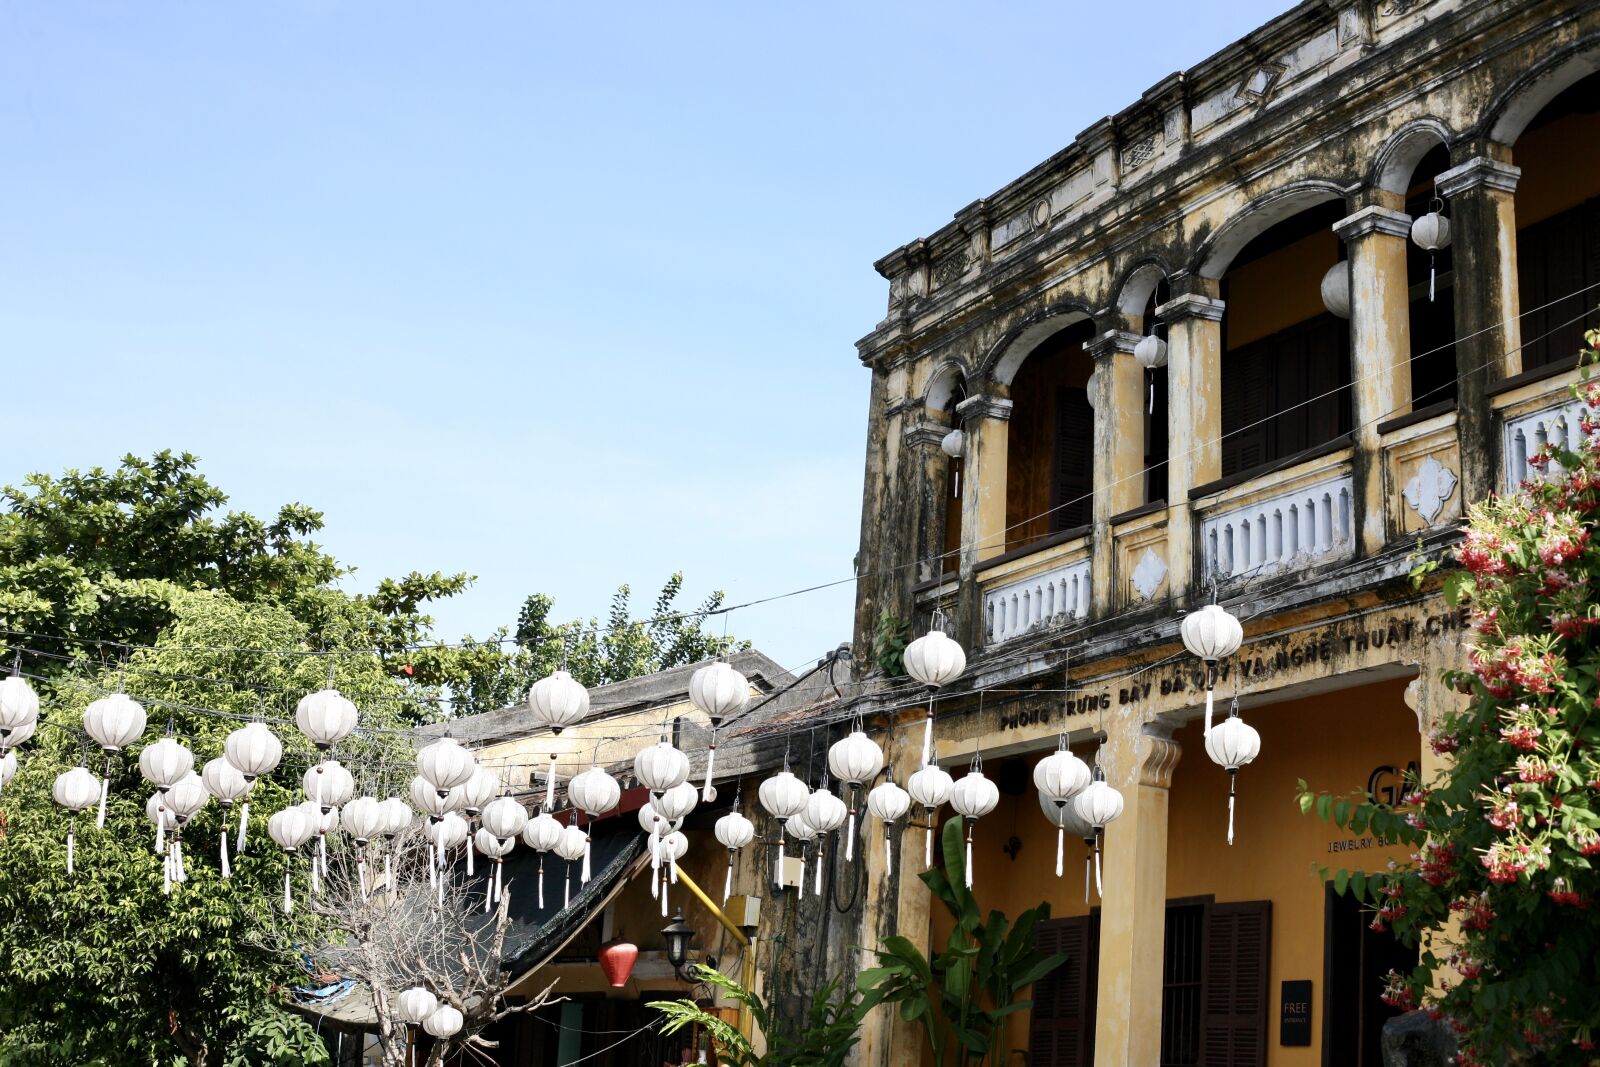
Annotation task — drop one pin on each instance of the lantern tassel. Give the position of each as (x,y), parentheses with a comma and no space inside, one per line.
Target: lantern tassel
(227,871)
(1150,376)
(288,896)
(1087,862)
(72,842)
(244,821)
(969,857)
(655,846)
(316,882)
(322,847)
(711,761)
(850,834)
(1099,890)
(105,787)
(1207,731)
(586,850)
(927,843)
(1061,851)
(440,883)
(888,851)
(361,875)
(433,866)
(663,896)
(161,829)
(498,887)
(1232,777)
(388,874)
(727,884)
(470,851)
(550,785)
(927,733)
(566,886)
(1430,277)
(800,887)
(541,881)
(166,874)
(655,884)
(819,870)
(777,871)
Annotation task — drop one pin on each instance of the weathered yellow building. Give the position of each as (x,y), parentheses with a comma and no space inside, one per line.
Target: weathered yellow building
(1333,395)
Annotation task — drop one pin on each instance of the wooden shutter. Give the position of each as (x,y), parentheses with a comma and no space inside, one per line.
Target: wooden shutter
(1061,1026)
(1233,1029)
(1072,468)
(1555,259)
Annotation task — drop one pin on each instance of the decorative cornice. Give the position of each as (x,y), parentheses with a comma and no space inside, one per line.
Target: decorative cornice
(1191,306)
(983,407)
(1110,343)
(1475,172)
(1160,760)
(1373,219)
(925,434)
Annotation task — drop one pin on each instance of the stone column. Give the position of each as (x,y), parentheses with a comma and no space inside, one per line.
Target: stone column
(1194,419)
(1133,908)
(1119,400)
(986,420)
(1380,348)
(1483,225)
(876,588)
(929,467)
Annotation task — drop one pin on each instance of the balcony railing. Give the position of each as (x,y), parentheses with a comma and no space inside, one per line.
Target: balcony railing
(1556,426)
(1313,524)
(1057,594)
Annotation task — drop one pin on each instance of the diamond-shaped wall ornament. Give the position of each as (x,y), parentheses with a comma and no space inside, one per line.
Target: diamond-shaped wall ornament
(1259,82)
(1429,488)
(1147,575)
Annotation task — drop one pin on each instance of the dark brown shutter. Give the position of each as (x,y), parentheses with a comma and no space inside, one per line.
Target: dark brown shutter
(1061,1026)
(1233,1030)
(1555,259)
(1072,469)
(1248,384)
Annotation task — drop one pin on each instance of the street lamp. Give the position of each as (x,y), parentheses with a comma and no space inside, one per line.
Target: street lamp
(678,936)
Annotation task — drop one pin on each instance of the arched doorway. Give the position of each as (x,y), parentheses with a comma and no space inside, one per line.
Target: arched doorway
(1050,443)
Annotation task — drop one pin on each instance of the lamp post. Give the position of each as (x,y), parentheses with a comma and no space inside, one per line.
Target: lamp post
(678,935)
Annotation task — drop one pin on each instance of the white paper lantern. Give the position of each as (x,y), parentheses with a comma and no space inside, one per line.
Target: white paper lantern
(953,444)
(930,790)
(326,717)
(8,769)
(445,1022)
(156,810)
(291,827)
(800,828)
(887,802)
(1064,817)
(363,819)
(1211,634)
(76,789)
(447,832)
(595,792)
(674,846)
(480,789)
(934,659)
(254,750)
(825,811)
(187,797)
(505,817)
(784,797)
(973,797)
(733,831)
(855,759)
(1233,744)
(649,821)
(1091,388)
(1431,232)
(430,801)
(1336,289)
(660,767)
(328,784)
(19,707)
(223,780)
(1150,352)
(557,702)
(10,739)
(1098,804)
(165,762)
(719,691)
(396,816)
(114,722)
(416,1004)
(676,803)
(444,764)
(493,847)
(571,844)
(542,832)
(1061,776)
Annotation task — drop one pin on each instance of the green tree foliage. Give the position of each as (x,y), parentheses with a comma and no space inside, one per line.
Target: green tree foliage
(965,996)
(596,653)
(1500,889)
(103,966)
(831,1028)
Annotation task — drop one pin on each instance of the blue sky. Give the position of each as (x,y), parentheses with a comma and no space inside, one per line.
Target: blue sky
(563,296)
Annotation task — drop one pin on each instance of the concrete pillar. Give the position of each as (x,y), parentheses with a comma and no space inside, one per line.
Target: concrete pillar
(1194,420)
(1380,348)
(1119,400)
(986,420)
(930,467)
(1480,192)
(1133,910)
(877,587)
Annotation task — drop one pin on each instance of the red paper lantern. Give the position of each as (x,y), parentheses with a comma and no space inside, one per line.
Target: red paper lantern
(616,960)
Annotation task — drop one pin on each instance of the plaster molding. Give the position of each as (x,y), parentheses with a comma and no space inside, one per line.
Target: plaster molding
(1111,343)
(1161,756)
(983,407)
(925,434)
(1191,306)
(1429,488)
(1482,170)
(1148,575)
(1371,220)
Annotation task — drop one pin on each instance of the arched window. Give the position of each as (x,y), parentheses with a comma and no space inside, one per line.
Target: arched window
(1050,447)
(1285,358)
(1432,293)
(1155,406)
(1558,224)
(950,560)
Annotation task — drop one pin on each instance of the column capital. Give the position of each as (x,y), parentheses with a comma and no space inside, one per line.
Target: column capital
(1475,172)
(1191,306)
(1110,343)
(1160,755)
(983,407)
(1371,220)
(925,434)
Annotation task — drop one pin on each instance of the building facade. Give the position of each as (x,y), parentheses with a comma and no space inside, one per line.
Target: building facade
(1334,395)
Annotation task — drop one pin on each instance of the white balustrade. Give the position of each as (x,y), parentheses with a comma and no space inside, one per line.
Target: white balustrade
(1014,608)
(1556,426)
(1284,532)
